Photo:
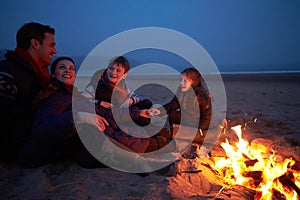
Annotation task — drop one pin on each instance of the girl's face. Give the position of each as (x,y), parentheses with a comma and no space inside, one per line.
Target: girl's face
(65,72)
(185,83)
(115,73)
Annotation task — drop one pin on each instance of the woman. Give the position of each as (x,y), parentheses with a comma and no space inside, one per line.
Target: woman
(59,107)
(54,135)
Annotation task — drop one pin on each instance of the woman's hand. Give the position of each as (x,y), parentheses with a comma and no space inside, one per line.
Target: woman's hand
(92,119)
(101,123)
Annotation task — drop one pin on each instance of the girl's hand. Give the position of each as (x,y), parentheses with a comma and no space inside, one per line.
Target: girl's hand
(153,112)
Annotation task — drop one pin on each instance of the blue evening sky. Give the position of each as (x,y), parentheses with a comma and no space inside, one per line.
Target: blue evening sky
(238,33)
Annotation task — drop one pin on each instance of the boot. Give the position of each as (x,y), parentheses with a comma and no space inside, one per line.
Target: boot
(156,143)
(166,133)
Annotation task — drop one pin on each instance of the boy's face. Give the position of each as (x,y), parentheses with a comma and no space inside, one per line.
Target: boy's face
(185,83)
(115,73)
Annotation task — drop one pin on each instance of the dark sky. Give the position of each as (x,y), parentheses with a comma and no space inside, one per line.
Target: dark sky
(233,32)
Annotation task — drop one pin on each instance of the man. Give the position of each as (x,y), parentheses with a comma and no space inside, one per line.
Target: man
(22,74)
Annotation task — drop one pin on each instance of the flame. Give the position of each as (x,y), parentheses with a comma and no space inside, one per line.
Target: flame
(254,167)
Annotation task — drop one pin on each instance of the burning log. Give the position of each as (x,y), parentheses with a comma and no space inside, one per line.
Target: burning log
(296,166)
(257,167)
(287,181)
(236,192)
(255,175)
(250,162)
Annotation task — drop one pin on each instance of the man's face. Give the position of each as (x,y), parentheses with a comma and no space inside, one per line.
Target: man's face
(46,50)
(115,73)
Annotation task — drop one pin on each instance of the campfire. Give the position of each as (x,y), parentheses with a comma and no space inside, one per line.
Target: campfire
(257,167)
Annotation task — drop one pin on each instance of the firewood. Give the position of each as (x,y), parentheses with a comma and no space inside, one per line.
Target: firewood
(253,174)
(236,192)
(296,166)
(287,181)
(250,162)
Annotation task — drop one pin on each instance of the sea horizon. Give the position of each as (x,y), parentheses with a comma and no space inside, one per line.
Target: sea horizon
(178,66)
(90,73)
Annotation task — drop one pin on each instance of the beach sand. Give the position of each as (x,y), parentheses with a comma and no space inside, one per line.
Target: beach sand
(266,105)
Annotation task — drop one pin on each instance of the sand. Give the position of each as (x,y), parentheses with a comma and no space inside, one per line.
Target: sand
(271,98)
(267,106)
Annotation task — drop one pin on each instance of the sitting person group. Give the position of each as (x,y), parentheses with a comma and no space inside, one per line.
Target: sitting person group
(60,107)
(43,114)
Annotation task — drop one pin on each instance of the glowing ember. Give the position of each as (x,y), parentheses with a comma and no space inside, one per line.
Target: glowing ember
(254,167)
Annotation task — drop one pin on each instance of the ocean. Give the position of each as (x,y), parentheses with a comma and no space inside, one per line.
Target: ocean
(162,63)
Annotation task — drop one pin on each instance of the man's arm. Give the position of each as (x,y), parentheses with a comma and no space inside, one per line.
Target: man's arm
(8,89)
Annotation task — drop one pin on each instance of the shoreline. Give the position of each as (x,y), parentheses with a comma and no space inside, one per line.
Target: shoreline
(82,81)
(88,74)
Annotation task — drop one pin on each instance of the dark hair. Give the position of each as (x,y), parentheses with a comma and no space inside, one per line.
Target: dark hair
(194,75)
(53,66)
(32,30)
(120,60)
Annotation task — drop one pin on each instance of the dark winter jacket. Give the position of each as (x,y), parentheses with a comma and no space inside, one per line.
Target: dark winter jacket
(54,121)
(18,85)
(117,96)
(194,111)
(105,90)
(54,118)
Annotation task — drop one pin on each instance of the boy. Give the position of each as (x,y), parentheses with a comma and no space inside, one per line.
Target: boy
(112,81)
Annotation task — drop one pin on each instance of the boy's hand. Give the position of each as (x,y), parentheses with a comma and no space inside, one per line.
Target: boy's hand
(144,113)
(106,104)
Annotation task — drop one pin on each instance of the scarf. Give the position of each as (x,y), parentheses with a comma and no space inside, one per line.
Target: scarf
(120,90)
(41,71)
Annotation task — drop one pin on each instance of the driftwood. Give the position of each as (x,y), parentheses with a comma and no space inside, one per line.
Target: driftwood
(236,192)
(62,186)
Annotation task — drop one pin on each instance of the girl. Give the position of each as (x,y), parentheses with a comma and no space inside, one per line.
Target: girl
(192,103)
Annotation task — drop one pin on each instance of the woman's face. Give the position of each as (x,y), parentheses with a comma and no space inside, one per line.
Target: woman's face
(185,83)
(65,72)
